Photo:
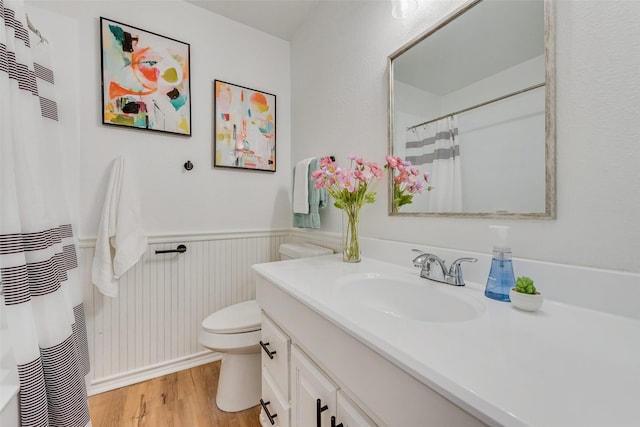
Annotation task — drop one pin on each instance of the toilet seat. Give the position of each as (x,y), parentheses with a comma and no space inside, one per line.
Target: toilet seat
(235,319)
(246,342)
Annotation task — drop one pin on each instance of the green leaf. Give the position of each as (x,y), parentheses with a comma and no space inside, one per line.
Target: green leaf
(370,197)
(405,199)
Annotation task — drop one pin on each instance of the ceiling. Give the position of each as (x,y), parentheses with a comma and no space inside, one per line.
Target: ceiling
(280,18)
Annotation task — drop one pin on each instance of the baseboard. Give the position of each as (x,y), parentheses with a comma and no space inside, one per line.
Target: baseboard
(149,372)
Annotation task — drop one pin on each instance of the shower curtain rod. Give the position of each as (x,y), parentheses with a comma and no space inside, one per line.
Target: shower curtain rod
(479,105)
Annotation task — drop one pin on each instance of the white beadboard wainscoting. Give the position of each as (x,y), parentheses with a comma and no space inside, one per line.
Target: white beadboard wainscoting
(152,327)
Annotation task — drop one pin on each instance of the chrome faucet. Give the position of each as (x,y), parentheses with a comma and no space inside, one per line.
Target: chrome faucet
(434,268)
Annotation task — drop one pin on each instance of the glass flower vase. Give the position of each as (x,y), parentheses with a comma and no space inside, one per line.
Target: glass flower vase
(350,234)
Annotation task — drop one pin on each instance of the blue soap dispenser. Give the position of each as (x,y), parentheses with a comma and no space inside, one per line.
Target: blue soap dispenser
(501,278)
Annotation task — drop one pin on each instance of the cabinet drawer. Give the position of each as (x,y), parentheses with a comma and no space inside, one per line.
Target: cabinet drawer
(275,403)
(275,344)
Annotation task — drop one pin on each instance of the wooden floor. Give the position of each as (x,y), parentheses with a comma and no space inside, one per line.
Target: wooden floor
(182,399)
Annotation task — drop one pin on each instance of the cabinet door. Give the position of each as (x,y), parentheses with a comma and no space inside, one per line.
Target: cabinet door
(308,384)
(275,354)
(350,415)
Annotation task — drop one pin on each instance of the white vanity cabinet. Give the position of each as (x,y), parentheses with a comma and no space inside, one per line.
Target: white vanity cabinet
(328,363)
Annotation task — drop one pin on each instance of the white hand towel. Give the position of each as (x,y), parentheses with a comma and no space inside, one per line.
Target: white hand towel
(301,186)
(121,240)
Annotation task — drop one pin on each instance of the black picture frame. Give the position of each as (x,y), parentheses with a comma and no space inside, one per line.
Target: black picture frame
(145,79)
(244,130)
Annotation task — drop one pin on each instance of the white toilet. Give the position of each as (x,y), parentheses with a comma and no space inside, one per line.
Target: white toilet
(235,332)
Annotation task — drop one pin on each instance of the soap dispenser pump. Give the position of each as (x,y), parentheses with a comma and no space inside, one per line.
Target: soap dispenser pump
(501,278)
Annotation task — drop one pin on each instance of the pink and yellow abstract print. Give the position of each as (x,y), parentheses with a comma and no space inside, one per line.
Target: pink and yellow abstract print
(245,128)
(145,79)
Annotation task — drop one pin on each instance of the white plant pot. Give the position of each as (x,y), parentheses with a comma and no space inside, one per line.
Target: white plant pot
(526,302)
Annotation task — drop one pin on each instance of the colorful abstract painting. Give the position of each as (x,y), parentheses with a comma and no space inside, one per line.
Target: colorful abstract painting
(145,79)
(245,128)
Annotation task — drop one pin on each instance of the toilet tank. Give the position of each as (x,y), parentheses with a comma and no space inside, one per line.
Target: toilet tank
(302,250)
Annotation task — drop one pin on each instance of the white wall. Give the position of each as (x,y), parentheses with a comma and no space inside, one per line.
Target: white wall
(176,201)
(340,106)
(338,77)
(520,76)
(502,157)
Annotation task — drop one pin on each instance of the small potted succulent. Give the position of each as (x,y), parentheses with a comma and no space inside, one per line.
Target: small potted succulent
(525,296)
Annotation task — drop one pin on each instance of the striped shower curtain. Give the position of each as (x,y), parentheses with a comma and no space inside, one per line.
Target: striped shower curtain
(41,292)
(434,148)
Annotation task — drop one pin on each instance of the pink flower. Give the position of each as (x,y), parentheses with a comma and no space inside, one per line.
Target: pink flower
(401,177)
(416,187)
(392,161)
(325,161)
(375,170)
(332,169)
(347,180)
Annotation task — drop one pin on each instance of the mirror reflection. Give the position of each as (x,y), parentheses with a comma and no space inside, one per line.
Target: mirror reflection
(470,103)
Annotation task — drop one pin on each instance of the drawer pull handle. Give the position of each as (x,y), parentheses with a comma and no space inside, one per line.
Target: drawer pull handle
(333,422)
(266,411)
(319,410)
(266,350)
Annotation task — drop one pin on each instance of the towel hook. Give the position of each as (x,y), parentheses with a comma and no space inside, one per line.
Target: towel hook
(180,249)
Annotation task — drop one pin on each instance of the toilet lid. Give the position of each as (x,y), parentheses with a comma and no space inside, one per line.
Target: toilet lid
(237,318)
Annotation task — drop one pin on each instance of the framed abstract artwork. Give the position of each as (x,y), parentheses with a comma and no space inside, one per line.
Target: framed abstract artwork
(146,82)
(244,128)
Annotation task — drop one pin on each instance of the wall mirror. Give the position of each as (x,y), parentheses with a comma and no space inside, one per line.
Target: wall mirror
(471,102)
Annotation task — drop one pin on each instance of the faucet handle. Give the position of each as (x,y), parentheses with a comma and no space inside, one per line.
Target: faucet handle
(422,258)
(455,271)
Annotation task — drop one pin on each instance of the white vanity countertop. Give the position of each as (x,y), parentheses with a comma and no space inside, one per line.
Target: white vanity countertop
(562,366)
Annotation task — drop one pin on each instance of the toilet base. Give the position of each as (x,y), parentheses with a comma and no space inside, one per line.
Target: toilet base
(239,385)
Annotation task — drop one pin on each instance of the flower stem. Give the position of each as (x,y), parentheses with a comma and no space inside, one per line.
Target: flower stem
(351,243)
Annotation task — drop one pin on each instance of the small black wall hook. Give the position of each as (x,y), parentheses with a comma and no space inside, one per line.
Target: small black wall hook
(188,165)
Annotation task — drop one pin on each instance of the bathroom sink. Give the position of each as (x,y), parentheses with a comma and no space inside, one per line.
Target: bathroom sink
(416,299)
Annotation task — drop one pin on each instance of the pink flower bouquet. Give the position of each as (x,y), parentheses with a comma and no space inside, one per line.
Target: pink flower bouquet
(406,181)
